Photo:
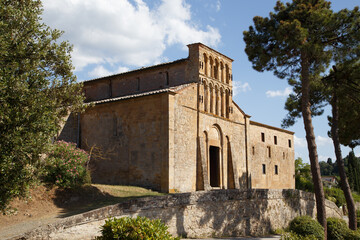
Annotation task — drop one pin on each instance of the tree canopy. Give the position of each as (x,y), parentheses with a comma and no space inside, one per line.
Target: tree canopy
(298,42)
(37,89)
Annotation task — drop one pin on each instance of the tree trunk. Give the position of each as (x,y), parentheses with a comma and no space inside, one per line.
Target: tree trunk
(344,181)
(310,138)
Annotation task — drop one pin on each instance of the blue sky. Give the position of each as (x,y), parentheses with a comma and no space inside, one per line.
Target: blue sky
(113,36)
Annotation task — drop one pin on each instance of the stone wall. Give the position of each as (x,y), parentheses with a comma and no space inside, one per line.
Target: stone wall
(137,81)
(197,214)
(128,141)
(273,149)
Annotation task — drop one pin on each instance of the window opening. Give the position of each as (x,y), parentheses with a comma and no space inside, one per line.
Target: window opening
(276,170)
(138,84)
(264,169)
(289,143)
(253,150)
(269,152)
(275,140)
(263,137)
(167,78)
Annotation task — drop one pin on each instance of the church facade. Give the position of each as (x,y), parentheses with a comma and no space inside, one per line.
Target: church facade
(174,127)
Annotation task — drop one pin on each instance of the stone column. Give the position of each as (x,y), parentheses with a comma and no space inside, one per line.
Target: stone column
(222,103)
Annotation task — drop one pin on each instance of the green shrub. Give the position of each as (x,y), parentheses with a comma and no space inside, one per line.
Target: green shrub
(294,236)
(305,226)
(65,165)
(336,193)
(337,229)
(135,229)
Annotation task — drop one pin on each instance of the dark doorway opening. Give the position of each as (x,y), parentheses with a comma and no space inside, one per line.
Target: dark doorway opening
(214,166)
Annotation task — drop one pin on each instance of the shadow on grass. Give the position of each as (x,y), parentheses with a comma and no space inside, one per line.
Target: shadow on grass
(87,198)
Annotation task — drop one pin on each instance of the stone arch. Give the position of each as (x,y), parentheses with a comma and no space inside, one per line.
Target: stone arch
(227,74)
(222,102)
(221,71)
(215,165)
(206,61)
(227,103)
(211,61)
(230,165)
(216,69)
(211,97)
(217,94)
(206,95)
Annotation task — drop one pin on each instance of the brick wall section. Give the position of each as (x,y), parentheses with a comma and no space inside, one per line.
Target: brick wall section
(197,214)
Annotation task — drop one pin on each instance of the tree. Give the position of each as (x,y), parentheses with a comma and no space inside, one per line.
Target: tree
(340,88)
(303,179)
(37,89)
(354,171)
(296,42)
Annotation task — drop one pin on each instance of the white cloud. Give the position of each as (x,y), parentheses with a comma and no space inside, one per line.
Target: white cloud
(101,71)
(323,141)
(279,93)
(239,87)
(299,142)
(124,32)
(218,5)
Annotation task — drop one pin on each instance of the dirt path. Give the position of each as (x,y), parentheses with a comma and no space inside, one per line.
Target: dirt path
(48,205)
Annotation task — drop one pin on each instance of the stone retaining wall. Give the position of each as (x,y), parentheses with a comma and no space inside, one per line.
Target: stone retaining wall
(197,214)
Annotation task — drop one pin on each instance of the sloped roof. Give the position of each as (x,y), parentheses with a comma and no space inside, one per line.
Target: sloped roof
(139,69)
(136,95)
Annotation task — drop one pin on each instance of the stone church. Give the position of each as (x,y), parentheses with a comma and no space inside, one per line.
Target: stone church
(174,127)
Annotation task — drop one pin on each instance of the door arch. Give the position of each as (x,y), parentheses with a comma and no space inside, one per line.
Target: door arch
(215,166)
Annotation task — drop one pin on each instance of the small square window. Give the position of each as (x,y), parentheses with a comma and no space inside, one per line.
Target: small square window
(264,169)
(263,137)
(276,170)
(275,140)
(289,143)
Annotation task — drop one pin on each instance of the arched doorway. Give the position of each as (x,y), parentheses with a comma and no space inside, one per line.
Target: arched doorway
(215,157)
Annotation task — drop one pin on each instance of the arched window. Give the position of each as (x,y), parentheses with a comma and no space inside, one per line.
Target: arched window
(216,100)
(227,104)
(211,88)
(205,97)
(222,101)
(211,67)
(206,65)
(227,74)
(216,69)
(221,72)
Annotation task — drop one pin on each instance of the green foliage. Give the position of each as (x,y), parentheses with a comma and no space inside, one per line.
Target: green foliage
(356,196)
(303,180)
(354,171)
(358,218)
(135,229)
(337,229)
(37,88)
(336,195)
(305,226)
(65,165)
(294,236)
